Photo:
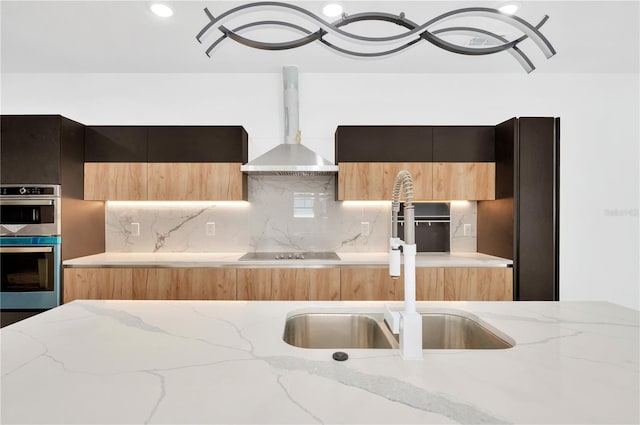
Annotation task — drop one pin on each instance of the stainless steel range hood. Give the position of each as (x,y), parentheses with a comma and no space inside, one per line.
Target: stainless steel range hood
(290,158)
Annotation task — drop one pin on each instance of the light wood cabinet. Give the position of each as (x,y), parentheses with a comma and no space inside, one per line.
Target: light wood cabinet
(429,284)
(191,181)
(101,283)
(364,283)
(184,284)
(373,181)
(116,181)
(368,283)
(288,284)
(115,283)
(464,180)
(163,181)
(369,181)
(478,284)
(326,284)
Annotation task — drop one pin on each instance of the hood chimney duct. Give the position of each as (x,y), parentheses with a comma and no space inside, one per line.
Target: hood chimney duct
(290,158)
(291,109)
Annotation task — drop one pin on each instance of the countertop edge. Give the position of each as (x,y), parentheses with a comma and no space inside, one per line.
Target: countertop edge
(165,260)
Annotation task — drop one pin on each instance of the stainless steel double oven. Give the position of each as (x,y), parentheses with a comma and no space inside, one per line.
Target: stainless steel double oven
(30,244)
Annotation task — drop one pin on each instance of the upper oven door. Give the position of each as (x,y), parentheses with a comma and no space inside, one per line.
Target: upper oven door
(29,217)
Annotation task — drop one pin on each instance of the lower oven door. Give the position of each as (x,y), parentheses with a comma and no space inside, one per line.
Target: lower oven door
(30,272)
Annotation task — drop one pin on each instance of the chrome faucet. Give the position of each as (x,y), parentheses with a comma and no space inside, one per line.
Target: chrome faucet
(407,323)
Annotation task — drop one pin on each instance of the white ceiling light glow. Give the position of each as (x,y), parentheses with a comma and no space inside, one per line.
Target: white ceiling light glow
(332,10)
(161,10)
(509,9)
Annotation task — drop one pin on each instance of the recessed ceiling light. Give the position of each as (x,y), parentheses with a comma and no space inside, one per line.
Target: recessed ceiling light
(161,10)
(332,10)
(509,9)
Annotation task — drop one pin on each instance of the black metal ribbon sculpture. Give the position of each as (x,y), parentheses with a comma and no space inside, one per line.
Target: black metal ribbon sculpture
(414,32)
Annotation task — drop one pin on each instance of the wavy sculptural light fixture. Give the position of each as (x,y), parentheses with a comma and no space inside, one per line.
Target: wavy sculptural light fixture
(413,35)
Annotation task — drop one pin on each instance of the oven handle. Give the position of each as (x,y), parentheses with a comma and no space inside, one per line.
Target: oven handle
(34,202)
(24,249)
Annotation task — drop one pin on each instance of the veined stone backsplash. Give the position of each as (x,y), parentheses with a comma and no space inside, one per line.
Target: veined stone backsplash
(283,214)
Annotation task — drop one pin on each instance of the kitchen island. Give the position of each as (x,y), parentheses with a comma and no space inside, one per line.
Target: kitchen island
(226,362)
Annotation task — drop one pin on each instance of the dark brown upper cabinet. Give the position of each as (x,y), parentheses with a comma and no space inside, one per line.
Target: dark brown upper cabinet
(386,143)
(463,144)
(197,144)
(115,144)
(40,149)
(391,143)
(166,144)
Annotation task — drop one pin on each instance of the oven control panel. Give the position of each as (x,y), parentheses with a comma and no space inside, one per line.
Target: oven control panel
(44,190)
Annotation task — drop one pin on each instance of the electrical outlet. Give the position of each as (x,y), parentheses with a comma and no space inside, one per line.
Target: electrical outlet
(364,228)
(211,228)
(135,229)
(467,230)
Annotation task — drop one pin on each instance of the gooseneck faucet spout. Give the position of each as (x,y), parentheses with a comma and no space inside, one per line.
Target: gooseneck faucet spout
(409,322)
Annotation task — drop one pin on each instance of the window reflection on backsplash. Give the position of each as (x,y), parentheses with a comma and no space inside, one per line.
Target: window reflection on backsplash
(303,205)
(283,214)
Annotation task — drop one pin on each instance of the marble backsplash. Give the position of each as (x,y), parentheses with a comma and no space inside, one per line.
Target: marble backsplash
(283,214)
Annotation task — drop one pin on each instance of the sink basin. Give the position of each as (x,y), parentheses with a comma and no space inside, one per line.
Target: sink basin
(453,331)
(441,330)
(337,330)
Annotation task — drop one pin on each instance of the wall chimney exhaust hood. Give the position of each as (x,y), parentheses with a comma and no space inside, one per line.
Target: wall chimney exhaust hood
(290,158)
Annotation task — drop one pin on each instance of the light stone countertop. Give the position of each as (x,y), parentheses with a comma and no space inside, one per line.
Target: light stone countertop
(230,259)
(134,362)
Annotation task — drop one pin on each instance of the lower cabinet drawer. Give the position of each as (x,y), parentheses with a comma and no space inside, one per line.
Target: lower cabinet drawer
(114,283)
(478,284)
(313,284)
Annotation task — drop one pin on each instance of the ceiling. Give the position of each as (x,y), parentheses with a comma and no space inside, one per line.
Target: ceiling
(125,37)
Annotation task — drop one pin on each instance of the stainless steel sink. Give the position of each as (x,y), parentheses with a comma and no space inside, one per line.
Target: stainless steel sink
(441,330)
(337,330)
(453,331)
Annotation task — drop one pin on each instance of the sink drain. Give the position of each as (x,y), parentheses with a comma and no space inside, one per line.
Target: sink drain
(340,356)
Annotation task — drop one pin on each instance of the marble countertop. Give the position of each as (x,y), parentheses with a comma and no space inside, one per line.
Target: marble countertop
(230,259)
(179,362)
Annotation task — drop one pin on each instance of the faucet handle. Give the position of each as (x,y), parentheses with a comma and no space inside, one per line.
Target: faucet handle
(394,262)
(392,318)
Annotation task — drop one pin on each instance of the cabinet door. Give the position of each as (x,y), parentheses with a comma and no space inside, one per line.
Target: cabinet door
(464,144)
(288,284)
(184,284)
(193,181)
(324,284)
(373,181)
(384,143)
(478,284)
(254,284)
(117,181)
(30,146)
(368,283)
(429,284)
(197,144)
(464,180)
(115,144)
(104,283)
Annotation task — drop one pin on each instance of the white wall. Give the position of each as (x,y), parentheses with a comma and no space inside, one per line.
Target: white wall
(599,237)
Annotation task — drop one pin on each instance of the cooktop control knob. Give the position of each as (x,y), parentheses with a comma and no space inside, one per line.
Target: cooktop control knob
(22,190)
